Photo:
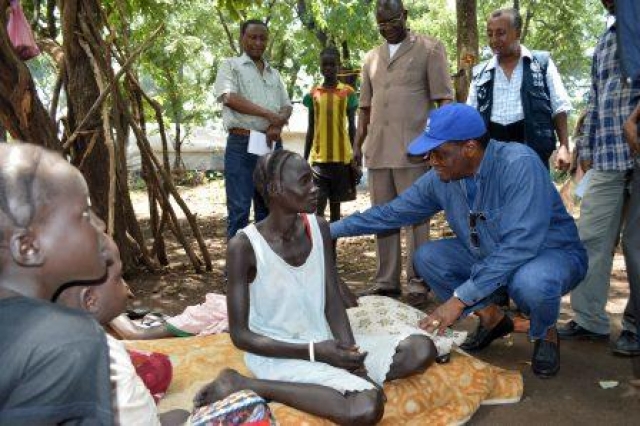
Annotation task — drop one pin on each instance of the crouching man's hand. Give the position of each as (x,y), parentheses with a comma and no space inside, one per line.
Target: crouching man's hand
(444,316)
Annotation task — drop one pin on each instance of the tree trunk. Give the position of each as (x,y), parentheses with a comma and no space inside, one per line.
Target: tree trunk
(467,46)
(178,165)
(52,30)
(21,111)
(348,74)
(527,21)
(89,151)
(309,23)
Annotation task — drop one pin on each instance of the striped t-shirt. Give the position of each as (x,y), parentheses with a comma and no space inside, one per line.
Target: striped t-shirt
(329,106)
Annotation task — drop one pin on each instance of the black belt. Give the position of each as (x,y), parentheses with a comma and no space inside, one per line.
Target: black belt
(512,132)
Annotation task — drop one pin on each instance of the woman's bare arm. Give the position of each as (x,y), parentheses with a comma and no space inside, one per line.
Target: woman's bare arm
(241,267)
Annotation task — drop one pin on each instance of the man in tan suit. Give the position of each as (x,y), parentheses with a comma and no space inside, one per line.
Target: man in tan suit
(401,80)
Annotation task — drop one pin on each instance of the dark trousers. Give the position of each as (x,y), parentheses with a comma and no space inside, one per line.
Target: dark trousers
(631,247)
(240,190)
(514,132)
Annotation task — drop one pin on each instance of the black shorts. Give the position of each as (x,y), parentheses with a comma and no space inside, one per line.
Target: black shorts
(335,181)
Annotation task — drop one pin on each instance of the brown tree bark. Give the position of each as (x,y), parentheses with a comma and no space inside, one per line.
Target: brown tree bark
(467,46)
(21,111)
(89,150)
(309,23)
(97,125)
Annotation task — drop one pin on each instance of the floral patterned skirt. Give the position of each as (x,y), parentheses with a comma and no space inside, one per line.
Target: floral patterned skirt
(380,315)
(240,408)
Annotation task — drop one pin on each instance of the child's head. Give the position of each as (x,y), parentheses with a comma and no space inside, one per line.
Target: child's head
(284,179)
(107,300)
(48,234)
(330,63)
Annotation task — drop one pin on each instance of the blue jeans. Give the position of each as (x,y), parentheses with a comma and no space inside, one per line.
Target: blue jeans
(536,286)
(238,177)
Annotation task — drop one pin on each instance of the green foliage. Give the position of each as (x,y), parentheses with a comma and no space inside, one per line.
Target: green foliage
(136,182)
(180,68)
(190,178)
(436,18)
(567,29)
(295,42)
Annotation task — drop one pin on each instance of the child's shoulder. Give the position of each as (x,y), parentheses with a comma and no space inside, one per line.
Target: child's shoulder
(345,88)
(340,89)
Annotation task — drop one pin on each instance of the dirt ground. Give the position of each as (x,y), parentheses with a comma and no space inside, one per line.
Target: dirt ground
(574,397)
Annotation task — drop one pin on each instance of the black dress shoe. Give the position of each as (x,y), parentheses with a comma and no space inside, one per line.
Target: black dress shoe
(628,344)
(378,290)
(546,359)
(483,336)
(574,331)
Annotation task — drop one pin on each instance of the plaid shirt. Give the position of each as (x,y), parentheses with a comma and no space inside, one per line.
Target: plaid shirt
(610,103)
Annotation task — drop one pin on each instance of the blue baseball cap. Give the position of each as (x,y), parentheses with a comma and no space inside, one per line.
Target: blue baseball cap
(452,122)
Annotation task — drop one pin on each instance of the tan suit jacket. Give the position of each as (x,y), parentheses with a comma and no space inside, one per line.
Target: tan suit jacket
(400,92)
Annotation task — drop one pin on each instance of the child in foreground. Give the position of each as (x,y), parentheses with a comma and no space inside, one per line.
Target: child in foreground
(132,402)
(55,365)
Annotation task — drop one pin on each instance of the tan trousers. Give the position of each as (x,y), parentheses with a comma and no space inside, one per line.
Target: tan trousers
(384,186)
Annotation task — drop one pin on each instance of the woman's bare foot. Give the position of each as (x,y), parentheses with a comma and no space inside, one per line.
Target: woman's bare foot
(227,382)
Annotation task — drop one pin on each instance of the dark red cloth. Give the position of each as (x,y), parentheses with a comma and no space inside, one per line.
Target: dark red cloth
(154,369)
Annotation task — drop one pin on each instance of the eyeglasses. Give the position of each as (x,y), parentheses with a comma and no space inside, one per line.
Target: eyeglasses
(474,237)
(390,23)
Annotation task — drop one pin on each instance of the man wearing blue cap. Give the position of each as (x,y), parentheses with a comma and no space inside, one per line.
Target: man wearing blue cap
(511,231)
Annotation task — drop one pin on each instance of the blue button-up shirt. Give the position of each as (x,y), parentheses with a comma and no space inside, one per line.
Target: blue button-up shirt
(520,213)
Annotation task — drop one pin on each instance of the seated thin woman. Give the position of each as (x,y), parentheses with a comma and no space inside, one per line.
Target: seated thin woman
(286,312)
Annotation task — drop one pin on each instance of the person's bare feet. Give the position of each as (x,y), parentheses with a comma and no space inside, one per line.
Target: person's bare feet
(227,382)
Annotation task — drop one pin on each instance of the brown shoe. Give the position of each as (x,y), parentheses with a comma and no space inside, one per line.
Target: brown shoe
(418,300)
(381,290)
(417,293)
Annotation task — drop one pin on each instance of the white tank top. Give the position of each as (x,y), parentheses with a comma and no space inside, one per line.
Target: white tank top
(287,302)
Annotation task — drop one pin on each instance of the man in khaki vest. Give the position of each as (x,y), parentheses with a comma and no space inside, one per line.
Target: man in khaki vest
(401,80)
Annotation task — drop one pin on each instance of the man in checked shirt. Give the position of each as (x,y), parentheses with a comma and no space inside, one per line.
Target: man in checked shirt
(604,150)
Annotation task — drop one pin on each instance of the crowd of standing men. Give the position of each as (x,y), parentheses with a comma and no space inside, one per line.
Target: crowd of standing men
(512,234)
(484,164)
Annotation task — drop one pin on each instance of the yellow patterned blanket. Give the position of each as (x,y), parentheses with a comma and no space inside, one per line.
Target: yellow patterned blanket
(445,394)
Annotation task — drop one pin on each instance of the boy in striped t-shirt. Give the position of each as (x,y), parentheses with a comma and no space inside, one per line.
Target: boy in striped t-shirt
(330,136)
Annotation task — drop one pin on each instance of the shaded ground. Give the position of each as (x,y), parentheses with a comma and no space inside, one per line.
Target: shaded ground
(574,397)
